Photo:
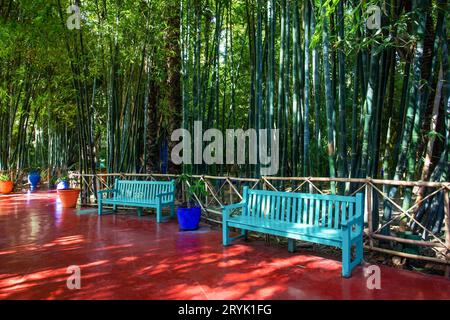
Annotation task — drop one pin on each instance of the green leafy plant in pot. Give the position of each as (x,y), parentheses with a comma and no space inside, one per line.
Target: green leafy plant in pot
(63,183)
(189,212)
(52,183)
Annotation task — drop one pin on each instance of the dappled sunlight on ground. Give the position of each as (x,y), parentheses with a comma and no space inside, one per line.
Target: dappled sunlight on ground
(127,257)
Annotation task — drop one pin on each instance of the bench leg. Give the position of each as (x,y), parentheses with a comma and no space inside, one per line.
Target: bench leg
(291,245)
(225,234)
(346,263)
(100,208)
(115,208)
(140,210)
(346,255)
(158,214)
(172,210)
(244,234)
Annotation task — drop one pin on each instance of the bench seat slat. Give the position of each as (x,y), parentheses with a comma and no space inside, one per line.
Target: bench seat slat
(290,230)
(284,225)
(130,201)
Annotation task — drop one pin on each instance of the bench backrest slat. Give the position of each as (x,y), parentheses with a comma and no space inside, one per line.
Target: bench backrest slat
(330,214)
(323,215)
(278,208)
(312,209)
(142,191)
(316,212)
(336,211)
(304,218)
(344,213)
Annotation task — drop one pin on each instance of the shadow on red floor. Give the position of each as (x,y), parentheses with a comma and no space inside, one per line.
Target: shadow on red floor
(126,257)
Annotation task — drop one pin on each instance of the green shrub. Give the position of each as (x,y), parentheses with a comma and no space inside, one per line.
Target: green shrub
(4,178)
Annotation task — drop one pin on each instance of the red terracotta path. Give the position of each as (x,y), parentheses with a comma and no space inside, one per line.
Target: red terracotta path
(126,257)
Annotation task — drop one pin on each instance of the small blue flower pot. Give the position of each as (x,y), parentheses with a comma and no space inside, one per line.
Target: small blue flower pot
(63,185)
(34,178)
(189,218)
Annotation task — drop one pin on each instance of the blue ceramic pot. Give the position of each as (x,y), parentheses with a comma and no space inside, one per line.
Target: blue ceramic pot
(34,178)
(63,185)
(189,218)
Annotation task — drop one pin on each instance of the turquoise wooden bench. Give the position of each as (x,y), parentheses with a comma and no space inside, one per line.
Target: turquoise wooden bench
(140,194)
(325,219)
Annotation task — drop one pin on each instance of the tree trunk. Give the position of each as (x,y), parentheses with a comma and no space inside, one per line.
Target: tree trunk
(173,82)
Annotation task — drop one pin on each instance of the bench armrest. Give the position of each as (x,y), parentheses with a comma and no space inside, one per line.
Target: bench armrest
(227,209)
(102,192)
(350,222)
(107,191)
(358,222)
(166,194)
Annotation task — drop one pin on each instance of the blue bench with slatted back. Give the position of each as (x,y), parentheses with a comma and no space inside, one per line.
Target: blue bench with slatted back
(140,194)
(324,219)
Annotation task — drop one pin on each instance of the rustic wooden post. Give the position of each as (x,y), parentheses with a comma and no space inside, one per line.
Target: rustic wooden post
(97,188)
(447,228)
(264,186)
(85,189)
(206,187)
(230,190)
(368,210)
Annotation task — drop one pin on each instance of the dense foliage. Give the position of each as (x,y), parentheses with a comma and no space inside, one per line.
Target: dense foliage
(81,98)
(349,101)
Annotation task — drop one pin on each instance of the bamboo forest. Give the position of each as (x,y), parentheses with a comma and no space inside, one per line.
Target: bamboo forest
(357,92)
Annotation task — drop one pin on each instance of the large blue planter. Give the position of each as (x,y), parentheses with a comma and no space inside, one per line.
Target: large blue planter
(189,218)
(34,178)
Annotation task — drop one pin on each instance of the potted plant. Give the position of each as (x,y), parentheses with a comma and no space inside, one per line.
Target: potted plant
(34,177)
(67,195)
(6,185)
(189,212)
(52,183)
(63,183)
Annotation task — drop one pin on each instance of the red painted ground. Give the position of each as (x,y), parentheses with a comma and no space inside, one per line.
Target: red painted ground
(126,257)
